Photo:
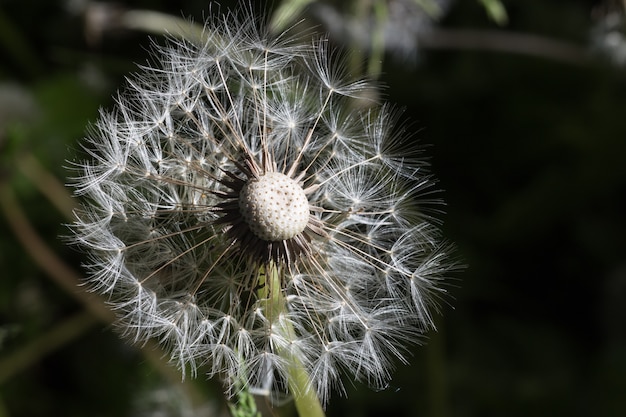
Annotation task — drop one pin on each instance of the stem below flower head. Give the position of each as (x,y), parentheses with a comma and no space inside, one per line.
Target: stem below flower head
(245,405)
(305,398)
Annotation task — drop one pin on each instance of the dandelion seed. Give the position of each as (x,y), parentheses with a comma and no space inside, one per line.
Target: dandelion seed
(237,212)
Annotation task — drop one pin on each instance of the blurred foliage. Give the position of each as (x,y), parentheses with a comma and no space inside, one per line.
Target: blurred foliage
(529,150)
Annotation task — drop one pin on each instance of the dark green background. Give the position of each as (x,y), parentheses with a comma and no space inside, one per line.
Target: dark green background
(530,153)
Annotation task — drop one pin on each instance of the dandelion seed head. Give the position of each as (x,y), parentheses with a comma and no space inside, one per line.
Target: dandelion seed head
(274,206)
(235,171)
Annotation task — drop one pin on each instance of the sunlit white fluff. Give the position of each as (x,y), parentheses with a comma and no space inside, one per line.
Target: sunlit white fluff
(167,245)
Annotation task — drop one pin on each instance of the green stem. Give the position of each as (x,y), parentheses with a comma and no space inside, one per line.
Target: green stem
(374,65)
(305,398)
(245,406)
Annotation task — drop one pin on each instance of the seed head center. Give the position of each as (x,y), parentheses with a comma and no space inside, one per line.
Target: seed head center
(274,207)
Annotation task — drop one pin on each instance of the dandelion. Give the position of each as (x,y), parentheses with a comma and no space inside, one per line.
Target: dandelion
(239,210)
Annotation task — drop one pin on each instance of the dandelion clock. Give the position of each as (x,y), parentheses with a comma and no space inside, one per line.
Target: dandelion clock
(239,209)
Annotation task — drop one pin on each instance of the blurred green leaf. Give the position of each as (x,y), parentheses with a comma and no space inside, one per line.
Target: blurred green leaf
(286,13)
(496,11)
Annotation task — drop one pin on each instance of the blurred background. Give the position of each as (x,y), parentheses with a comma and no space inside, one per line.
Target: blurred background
(523,107)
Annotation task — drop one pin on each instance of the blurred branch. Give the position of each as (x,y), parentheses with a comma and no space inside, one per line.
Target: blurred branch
(36,349)
(37,248)
(507,42)
(69,280)
(47,184)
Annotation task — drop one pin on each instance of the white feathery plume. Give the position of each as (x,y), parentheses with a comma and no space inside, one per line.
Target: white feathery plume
(238,209)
